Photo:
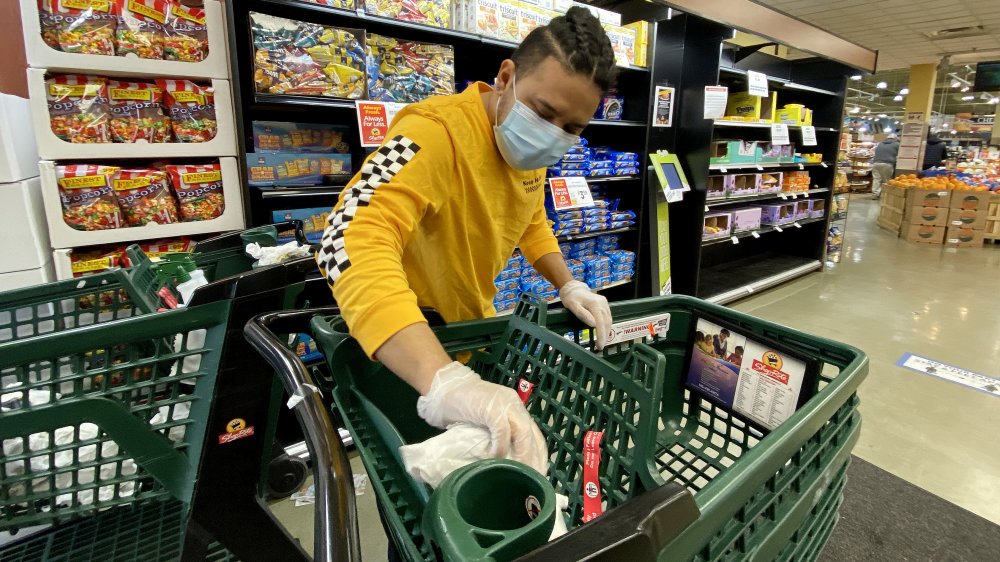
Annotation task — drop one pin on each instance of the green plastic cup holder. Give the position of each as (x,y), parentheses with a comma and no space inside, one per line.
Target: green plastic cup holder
(490,510)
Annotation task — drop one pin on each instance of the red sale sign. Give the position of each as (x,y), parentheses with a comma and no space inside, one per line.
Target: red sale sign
(374,118)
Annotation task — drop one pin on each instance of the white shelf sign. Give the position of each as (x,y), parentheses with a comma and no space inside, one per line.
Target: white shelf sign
(570,193)
(808,135)
(716,98)
(779,134)
(757,83)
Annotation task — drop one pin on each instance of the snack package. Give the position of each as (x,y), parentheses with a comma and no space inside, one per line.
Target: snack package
(78,108)
(141,27)
(342,4)
(144,196)
(276,136)
(408,71)
(436,13)
(92,262)
(137,112)
(191,108)
(199,191)
(48,24)
(293,57)
(185,34)
(85,26)
(88,201)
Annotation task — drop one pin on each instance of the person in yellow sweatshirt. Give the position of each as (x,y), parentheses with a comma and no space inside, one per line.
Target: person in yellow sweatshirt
(436,211)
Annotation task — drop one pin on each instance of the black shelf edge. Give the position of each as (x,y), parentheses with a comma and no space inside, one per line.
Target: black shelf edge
(614,284)
(585,235)
(605,179)
(284,100)
(766,165)
(749,125)
(283,192)
(780,81)
(790,268)
(761,231)
(764,197)
(618,123)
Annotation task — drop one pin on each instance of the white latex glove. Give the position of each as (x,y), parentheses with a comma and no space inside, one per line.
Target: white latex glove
(592,309)
(458,395)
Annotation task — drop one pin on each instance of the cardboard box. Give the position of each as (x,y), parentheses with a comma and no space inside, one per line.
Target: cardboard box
(744,107)
(484,18)
(961,237)
(22,214)
(793,114)
(18,156)
(890,219)
(777,214)
(930,216)
(967,218)
(746,219)
(716,187)
(894,197)
(641,29)
(717,225)
(927,197)
(742,185)
(27,278)
(803,209)
(733,152)
(921,233)
(768,152)
(770,183)
(970,200)
(817,208)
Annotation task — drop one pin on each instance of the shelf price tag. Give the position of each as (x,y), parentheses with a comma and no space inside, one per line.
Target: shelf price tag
(757,84)
(795,196)
(808,135)
(755,234)
(796,224)
(760,168)
(779,134)
(783,197)
(723,170)
(570,193)
(823,164)
(778,228)
(735,239)
(806,195)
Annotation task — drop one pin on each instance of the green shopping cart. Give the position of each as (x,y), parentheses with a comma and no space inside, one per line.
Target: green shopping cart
(682,477)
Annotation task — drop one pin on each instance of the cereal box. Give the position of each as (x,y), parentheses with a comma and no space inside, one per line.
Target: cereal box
(528,19)
(487,17)
(509,22)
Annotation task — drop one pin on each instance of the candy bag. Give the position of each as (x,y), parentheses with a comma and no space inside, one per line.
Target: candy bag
(199,191)
(87,199)
(186,34)
(137,112)
(86,26)
(144,196)
(191,108)
(141,27)
(78,108)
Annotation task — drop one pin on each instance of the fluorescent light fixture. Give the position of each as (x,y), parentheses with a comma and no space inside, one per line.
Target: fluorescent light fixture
(968,98)
(855,109)
(994,100)
(881,85)
(904,91)
(856,77)
(863,129)
(898,98)
(888,130)
(965,88)
(954,132)
(955,83)
(882,115)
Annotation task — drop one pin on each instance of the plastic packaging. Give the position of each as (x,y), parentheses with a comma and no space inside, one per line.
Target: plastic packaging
(199,191)
(88,200)
(144,196)
(270,255)
(78,108)
(186,34)
(408,71)
(141,27)
(137,112)
(192,110)
(85,27)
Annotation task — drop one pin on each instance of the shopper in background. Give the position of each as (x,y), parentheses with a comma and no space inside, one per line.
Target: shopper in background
(935,152)
(884,163)
(436,211)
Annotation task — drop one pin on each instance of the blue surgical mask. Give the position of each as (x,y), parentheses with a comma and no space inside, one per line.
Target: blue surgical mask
(528,142)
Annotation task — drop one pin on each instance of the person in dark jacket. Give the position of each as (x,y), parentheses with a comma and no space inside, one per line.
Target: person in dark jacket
(884,163)
(935,151)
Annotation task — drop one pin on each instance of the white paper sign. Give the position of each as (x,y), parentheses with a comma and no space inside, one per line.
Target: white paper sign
(663,106)
(570,193)
(779,134)
(808,135)
(757,82)
(716,98)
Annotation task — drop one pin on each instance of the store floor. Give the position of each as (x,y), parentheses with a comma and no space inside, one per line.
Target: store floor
(888,298)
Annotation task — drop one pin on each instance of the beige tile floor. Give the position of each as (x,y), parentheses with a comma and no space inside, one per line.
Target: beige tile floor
(886,297)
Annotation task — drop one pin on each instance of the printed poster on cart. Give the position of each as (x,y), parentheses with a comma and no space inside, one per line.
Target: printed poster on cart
(748,377)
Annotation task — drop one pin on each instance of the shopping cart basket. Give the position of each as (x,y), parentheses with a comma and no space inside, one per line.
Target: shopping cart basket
(757,496)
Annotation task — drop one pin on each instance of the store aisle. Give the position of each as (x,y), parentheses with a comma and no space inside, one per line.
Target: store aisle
(889,297)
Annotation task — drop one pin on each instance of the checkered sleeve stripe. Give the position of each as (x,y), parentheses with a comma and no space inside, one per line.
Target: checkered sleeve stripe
(387,161)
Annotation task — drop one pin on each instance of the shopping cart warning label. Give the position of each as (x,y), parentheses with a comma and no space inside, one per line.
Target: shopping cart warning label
(645,327)
(237,428)
(951,373)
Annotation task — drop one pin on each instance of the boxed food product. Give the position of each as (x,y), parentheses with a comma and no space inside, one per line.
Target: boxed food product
(313,222)
(622,43)
(963,237)
(80,26)
(770,183)
(733,152)
(970,200)
(141,27)
(966,218)
(817,208)
(90,262)
(922,233)
(144,196)
(88,200)
(294,57)
(746,219)
(795,181)
(716,187)
(295,169)
(917,196)
(508,22)
(793,114)
(199,191)
(191,108)
(930,216)
(777,214)
(641,29)
(186,34)
(610,108)
(408,71)
(276,136)
(137,115)
(803,209)
(78,108)
(742,106)
(742,185)
(484,17)
(436,13)
(505,306)
(776,152)
(508,284)
(717,225)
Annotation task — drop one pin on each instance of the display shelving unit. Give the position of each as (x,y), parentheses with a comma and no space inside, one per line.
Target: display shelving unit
(860,175)
(476,59)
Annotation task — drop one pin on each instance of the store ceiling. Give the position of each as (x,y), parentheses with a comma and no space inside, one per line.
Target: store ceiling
(904,31)
(948,95)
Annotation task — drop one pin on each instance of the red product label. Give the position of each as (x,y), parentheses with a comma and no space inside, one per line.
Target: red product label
(592,507)
(230,437)
(524,389)
(765,369)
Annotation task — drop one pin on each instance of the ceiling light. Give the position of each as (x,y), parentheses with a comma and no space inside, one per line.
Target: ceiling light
(855,109)
(881,85)
(898,98)
(882,115)
(994,100)
(904,91)
(888,130)
(955,83)
(965,88)
(954,132)
(968,98)
(856,77)
(863,129)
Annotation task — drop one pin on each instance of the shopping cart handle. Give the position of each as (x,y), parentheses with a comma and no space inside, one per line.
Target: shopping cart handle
(636,531)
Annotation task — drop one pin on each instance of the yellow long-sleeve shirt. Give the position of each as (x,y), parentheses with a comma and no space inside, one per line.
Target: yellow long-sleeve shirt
(430,220)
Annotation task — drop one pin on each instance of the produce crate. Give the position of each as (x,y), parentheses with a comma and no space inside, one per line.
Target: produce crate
(758,494)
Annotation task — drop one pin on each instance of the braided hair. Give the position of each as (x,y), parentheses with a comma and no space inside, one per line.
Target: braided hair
(577,41)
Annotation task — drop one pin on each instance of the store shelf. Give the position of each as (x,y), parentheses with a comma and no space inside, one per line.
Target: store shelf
(51,147)
(765,197)
(284,101)
(780,82)
(61,235)
(766,165)
(40,55)
(585,235)
(747,125)
(836,217)
(612,179)
(597,290)
(736,279)
(609,123)
(762,230)
(299,192)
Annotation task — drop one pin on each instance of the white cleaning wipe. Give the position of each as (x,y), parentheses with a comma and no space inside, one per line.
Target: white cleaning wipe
(432,460)
(270,255)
